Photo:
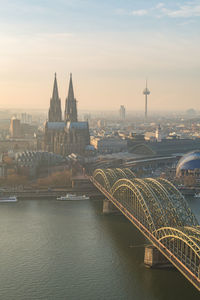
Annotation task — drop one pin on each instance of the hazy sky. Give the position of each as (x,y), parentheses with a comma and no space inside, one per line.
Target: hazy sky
(110,46)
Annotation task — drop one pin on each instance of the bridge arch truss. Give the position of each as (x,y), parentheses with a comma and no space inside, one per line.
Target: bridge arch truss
(184,243)
(161,210)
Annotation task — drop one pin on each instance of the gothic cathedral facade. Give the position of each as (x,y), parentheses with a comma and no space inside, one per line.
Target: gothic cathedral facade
(68,135)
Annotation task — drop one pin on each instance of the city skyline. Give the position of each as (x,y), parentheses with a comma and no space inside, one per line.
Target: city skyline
(110,47)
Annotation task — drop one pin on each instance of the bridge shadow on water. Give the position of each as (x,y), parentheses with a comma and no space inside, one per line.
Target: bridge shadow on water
(127,254)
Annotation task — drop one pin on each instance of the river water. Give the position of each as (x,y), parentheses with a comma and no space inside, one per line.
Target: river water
(69,250)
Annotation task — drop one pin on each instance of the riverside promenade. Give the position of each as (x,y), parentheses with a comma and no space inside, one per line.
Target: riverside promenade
(80,186)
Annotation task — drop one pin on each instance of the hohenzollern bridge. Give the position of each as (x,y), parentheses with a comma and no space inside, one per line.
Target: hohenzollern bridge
(160,212)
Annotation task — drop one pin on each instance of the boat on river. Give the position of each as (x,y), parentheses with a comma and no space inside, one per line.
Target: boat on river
(8,199)
(73,197)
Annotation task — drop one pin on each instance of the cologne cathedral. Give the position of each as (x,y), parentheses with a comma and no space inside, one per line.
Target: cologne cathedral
(69,135)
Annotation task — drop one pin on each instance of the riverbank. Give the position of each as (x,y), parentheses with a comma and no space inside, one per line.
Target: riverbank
(52,194)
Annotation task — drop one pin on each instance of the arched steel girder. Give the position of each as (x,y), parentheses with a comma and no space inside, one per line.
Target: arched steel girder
(160,207)
(164,199)
(153,201)
(101,177)
(114,174)
(160,215)
(124,173)
(129,173)
(132,197)
(180,204)
(174,204)
(111,175)
(108,177)
(182,234)
(165,204)
(118,174)
(193,232)
(121,172)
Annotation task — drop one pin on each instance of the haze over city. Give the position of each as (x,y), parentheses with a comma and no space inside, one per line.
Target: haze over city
(109,46)
(100,149)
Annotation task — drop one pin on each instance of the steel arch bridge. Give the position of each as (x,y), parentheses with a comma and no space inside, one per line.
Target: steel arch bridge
(160,212)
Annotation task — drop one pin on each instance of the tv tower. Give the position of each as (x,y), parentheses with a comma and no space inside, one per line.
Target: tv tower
(146,92)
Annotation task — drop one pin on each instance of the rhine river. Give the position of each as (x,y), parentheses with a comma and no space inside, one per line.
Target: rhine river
(69,250)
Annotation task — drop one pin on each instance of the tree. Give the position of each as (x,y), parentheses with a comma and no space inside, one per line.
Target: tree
(58,179)
(15,179)
(7,160)
(189,180)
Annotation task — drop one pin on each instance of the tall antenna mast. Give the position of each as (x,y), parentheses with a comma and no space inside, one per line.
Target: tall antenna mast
(146,92)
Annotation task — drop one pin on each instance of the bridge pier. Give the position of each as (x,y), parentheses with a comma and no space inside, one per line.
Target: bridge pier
(153,258)
(109,208)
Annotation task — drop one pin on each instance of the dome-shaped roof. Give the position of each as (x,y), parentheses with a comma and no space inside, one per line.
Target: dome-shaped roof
(189,161)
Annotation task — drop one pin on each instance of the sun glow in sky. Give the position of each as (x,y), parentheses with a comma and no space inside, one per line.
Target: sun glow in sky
(110,46)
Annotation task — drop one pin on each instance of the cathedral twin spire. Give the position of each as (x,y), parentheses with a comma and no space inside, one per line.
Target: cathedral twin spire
(55,113)
(70,104)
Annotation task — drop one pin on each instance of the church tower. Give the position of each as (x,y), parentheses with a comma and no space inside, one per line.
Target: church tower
(70,104)
(55,113)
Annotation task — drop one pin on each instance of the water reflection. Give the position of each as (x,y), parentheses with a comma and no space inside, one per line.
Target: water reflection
(52,250)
